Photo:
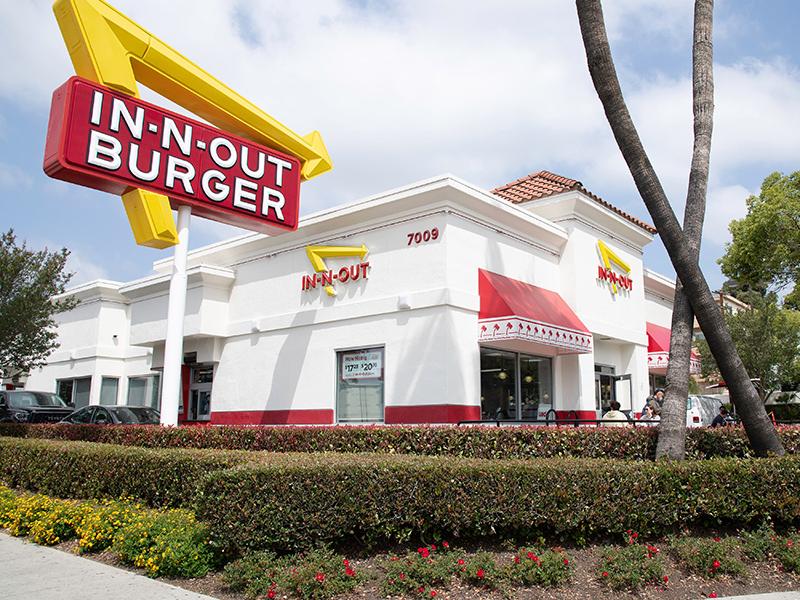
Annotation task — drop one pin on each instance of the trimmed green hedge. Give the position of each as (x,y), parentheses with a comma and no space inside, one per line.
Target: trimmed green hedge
(637,443)
(290,501)
(82,470)
(294,501)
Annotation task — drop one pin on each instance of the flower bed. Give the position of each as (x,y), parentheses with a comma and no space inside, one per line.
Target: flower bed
(473,442)
(170,543)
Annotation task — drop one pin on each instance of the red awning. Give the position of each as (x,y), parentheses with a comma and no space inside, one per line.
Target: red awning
(512,309)
(658,349)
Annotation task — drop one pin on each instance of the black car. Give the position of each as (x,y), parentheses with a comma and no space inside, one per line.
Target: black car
(25,406)
(114,415)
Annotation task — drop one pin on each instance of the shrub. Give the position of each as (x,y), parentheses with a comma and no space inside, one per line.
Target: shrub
(759,544)
(481,570)
(8,503)
(788,553)
(419,573)
(27,510)
(631,567)
(83,470)
(171,543)
(530,567)
(57,524)
(291,502)
(708,557)
(318,574)
(101,521)
(473,442)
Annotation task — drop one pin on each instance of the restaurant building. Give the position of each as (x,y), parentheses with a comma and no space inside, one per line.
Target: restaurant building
(435,302)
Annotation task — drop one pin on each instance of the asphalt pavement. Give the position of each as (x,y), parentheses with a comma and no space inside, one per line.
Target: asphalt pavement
(36,572)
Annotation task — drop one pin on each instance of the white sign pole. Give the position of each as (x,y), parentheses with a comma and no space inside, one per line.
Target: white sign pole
(173,348)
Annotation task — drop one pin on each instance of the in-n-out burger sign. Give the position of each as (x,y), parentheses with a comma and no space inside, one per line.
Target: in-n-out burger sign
(326,278)
(617,281)
(112,142)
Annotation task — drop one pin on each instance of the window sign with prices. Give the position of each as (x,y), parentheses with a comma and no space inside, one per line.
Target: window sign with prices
(360,386)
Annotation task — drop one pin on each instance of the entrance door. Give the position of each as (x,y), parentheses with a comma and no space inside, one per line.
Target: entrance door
(604,388)
(200,393)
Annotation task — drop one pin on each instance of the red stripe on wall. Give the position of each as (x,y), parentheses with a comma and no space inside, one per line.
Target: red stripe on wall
(576,414)
(317,416)
(432,413)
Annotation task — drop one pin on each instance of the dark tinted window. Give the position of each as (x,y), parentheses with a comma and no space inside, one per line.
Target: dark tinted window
(101,416)
(34,400)
(83,415)
(135,415)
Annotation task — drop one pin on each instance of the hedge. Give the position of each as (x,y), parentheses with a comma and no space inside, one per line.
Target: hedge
(637,443)
(83,470)
(293,501)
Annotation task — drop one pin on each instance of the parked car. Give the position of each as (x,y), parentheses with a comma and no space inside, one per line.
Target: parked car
(701,410)
(114,415)
(27,406)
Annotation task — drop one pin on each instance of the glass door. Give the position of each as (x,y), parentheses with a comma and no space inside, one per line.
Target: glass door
(200,393)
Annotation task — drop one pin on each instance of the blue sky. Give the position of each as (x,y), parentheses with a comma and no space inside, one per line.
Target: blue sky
(402,91)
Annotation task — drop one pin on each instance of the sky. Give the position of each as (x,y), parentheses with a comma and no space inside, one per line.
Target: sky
(405,90)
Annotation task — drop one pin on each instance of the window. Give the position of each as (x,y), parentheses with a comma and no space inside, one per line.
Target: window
(108,390)
(75,390)
(359,385)
(144,391)
(82,416)
(514,386)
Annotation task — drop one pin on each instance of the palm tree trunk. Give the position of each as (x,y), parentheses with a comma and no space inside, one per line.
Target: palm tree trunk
(672,433)
(760,432)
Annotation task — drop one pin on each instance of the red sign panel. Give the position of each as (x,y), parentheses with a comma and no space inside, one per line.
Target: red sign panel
(109,141)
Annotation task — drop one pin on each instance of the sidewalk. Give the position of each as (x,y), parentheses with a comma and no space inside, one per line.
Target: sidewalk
(36,572)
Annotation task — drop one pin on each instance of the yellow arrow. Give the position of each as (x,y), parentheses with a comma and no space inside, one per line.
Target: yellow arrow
(609,257)
(318,254)
(108,47)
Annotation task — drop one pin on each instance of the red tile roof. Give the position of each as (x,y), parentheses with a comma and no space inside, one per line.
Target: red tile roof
(544,183)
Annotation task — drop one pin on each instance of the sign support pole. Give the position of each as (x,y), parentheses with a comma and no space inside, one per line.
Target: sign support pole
(173,348)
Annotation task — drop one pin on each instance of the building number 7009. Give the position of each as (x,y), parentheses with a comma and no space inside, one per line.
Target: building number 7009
(419,237)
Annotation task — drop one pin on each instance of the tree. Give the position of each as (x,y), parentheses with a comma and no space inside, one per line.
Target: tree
(767,338)
(759,429)
(672,434)
(765,249)
(28,282)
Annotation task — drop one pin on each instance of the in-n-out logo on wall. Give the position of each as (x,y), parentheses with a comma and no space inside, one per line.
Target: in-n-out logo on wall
(618,281)
(327,278)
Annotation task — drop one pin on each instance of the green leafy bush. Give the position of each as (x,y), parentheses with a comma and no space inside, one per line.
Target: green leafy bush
(58,523)
(422,572)
(101,521)
(549,568)
(294,501)
(636,443)
(760,543)
(83,470)
(171,543)
(788,553)
(318,574)
(481,569)
(631,567)
(709,557)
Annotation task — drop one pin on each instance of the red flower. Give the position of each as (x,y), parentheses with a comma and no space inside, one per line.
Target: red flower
(566,561)
(789,543)
(666,579)
(715,565)
(320,577)
(479,573)
(634,535)
(433,547)
(712,595)
(349,572)
(424,552)
(460,561)
(271,594)
(516,560)
(420,589)
(716,539)
(402,576)
(433,593)
(531,555)
(346,562)
(604,573)
(445,545)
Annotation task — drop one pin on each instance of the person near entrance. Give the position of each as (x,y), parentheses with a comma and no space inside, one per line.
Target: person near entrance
(656,401)
(615,417)
(651,415)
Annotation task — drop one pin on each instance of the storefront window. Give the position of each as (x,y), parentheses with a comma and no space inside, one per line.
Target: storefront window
(143,391)
(359,389)
(75,390)
(108,390)
(514,386)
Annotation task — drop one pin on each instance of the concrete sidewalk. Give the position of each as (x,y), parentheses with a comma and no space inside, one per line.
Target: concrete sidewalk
(36,572)
(770,596)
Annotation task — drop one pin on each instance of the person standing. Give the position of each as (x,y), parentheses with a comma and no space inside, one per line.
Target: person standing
(615,417)
(721,420)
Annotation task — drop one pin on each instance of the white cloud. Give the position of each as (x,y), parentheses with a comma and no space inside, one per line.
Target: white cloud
(85,269)
(724,204)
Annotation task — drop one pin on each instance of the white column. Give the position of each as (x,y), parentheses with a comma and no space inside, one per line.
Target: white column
(173,349)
